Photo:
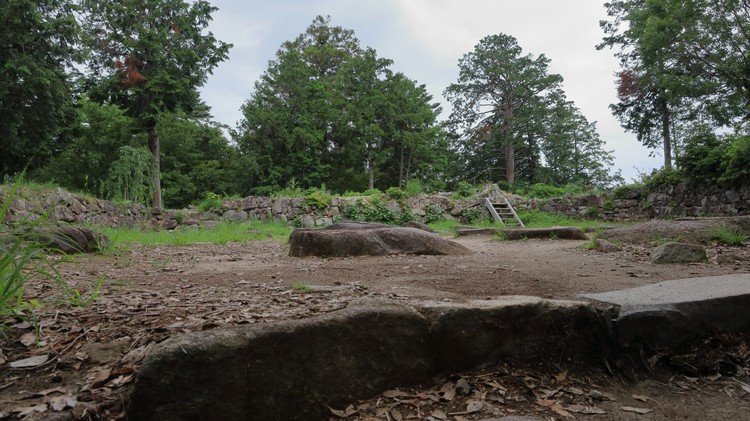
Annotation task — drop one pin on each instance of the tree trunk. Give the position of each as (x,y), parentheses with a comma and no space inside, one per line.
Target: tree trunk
(370,175)
(510,158)
(665,133)
(401,169)
(153,146)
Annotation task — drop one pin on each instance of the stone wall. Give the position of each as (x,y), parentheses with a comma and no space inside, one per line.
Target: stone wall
(637,203)
(60,206)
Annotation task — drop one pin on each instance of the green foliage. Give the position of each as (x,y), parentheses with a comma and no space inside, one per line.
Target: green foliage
(211,202)
(180,217)
(464,190)
(165,56)
(622,192)
(545,191)
(301,288)
(414,188)
(222,233)
(736,164)
(292,189)
(325,105)
(376,212)
(730,237)
(396,193)
(540,219)
(318,197)
(474,215)
(129,177)
(37,44)
(433,213)
(663,177)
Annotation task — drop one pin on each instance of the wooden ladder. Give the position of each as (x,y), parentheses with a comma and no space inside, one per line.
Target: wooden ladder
(503,212)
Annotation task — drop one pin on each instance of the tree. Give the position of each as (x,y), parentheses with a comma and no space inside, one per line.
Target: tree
(37,41)
(496,83)
(680,60)
(328,111)
(94,144)
(149,57)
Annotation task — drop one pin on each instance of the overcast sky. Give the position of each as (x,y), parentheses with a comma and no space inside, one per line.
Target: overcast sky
(425,39)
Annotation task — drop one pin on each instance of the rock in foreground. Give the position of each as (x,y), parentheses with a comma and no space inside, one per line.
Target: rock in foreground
(284,371)
(361,239)
(678,253)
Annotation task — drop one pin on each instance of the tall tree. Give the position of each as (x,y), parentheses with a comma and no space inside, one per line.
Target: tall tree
(37,42)
(150,57)
(328,111)
(496,83)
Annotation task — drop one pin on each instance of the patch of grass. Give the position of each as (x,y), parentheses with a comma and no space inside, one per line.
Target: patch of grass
(539,219)
(444,226)
(300,287)
(664,240)
(730,237)
(222,233)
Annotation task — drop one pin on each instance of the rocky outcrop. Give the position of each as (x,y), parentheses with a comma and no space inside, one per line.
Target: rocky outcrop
(564,233)
(284,371)
(293,370)
(360,239)
(678,253)
(693,230)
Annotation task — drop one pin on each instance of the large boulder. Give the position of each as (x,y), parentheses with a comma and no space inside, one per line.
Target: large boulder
(518,328)
(363,239)
(284,371)
(68,240)
(678,253)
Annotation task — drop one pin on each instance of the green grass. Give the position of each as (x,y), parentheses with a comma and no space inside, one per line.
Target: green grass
(300,287)
(730,237)
(223,232)
(531,219)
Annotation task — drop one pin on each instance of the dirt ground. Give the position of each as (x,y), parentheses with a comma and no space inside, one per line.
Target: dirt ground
(86,357)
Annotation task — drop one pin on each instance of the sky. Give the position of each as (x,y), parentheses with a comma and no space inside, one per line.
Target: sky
(425,39)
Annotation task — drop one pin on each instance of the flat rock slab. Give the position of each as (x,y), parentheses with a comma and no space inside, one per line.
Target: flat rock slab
(674,252)
(519,328)
(667,314)
(565,233)
(284,371)
(359,239)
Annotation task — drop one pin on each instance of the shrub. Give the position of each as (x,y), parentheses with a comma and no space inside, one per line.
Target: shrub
(736,162)
(211,202)
(663,177)
(474,214)
(292,189)
(621,192)
(433,213)
(414,187)
(396,193)
(702,156)
(375,212)
(464,190)
(318,197)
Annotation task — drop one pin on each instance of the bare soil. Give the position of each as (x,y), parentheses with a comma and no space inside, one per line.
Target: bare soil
(92,352)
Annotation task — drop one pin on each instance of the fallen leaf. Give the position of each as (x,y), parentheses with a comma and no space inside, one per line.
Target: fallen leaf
(25,412)
(463,387)
(474,406)
(101,377)
(346,413)
(574,391)
(641,398)
(439,414)
(745,387)
(448,391)
(558,409)
(546,402)
(561,376)
(30,362)
(714,377)
(601,396)
(395,394)
(546,393)
(636,410)
(588,410)
(396,414)
(58,403)
(50,391)
(28,339)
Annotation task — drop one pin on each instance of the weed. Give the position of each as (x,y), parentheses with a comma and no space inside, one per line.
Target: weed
(413,187)
(212,202)
(74,297)
(730,237)
(300,287)
(464,190)
(318,197)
